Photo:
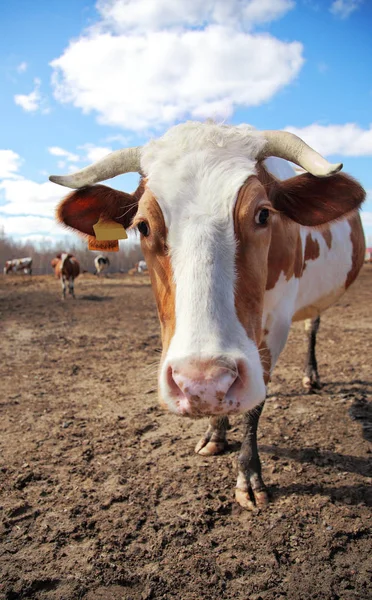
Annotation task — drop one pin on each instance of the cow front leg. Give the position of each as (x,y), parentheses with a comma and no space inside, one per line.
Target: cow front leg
(250,490)
(311,380)
(214,440)
(71,287)
(63,283)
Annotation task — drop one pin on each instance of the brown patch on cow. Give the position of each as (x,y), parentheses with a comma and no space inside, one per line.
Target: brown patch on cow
(251,258)
(259,259)
(159,265)
(312,250)
(327,235)
(154,248)
(265,357)
(359,248)
(298,265)
(285,254)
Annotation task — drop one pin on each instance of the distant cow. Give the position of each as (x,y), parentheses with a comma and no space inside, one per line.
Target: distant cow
(100,263)
(142,266)
(18,264)
(139,267)
(66,268)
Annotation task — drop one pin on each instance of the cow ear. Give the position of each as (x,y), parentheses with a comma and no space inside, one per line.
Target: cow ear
(312,201)
(81,209)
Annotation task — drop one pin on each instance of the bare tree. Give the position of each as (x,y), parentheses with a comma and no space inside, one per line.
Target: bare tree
(43,252)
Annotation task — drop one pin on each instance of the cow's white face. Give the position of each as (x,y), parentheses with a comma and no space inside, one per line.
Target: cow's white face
(210,363)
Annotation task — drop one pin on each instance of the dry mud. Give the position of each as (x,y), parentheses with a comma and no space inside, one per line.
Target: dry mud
(102,496)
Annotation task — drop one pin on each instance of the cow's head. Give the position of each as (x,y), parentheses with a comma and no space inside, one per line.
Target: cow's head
(205,214)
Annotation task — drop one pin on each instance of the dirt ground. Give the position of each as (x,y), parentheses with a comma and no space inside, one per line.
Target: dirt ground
(102,496)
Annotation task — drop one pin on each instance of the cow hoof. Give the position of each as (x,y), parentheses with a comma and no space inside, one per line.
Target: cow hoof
(311,385)
(306,383)
(206,448)
(261,499)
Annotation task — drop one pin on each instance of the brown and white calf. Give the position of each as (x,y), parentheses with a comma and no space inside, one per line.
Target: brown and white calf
(237,249)
(101,262)
(18,264)
(66,268)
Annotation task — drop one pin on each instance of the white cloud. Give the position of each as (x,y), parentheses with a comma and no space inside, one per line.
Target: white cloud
(366,217)
(30,102)
(123,140)
(348,139)
(57,151)
(26,197)
(147,15)
(29,226)
(22,67)
(72,168)
(344,8)
(33,101)
(10,163)
(94,153)
(142,81)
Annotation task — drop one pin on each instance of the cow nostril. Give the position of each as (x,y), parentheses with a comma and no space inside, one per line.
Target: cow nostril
(241,379)
(173,386)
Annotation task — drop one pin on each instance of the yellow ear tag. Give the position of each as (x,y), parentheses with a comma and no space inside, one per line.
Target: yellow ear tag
(108,230)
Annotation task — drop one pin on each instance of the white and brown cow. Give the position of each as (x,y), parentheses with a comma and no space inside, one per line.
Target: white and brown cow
(18,264)
(101,262)
(66,268)
(142,267)
(237,248)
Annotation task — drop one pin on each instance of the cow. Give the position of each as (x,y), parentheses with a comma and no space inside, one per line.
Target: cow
(100,263)
(133,270)
(238,247)
(66,268)
(142,266)
(139,268)
(18,264)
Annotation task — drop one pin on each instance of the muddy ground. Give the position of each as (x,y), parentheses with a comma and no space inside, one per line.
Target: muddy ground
(102,497)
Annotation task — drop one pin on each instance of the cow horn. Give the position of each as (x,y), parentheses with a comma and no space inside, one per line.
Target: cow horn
(126,160)
(289,146)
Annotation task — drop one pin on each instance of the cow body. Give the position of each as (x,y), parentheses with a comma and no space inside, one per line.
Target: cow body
(66,268)
(100,263)
(321,265)
(18,264)
(237,248)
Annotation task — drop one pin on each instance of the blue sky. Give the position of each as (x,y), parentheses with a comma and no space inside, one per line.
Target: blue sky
(79,79)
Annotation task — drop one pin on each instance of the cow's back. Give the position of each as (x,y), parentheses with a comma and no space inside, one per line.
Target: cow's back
(74,267)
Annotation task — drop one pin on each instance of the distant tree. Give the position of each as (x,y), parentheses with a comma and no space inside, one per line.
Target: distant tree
(44,251)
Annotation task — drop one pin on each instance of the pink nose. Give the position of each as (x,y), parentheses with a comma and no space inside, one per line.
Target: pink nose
(201,386)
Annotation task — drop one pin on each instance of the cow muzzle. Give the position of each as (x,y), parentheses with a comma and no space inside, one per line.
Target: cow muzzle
(198,388)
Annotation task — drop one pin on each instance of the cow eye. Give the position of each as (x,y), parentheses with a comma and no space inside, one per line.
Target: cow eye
(262,216)
(143,228)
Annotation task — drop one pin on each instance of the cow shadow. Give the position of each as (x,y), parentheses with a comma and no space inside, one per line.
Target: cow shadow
(125,284)
(347,494)
(331,388)
(94,298)
(321,458)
